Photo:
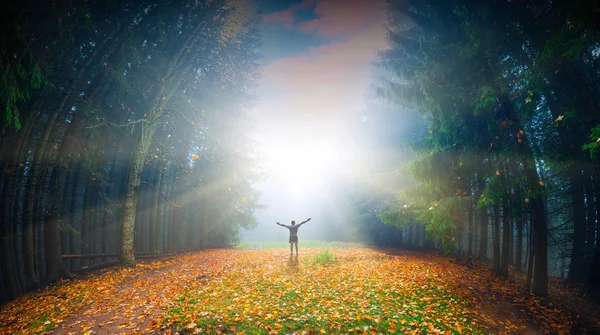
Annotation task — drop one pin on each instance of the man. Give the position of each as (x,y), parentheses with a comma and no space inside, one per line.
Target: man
(293,234)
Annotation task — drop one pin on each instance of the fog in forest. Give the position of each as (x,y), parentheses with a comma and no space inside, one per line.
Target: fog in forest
(143,129)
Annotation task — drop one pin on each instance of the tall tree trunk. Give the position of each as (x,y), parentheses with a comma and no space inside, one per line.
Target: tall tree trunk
(519,251)
(577,266)
(594,274)
(12,173)
(496,238)
(9,270)
(483,242)
(409,236)
(55,268)
(7,230)
(154,207)
(506,232)
(530,257)
(136,167)
(88,214)
(590,222)
(32,280)
(142,217)
(537,206)
(459,230)
(160,210)
(75,217)
(129,209)
(177,217)
(470,238)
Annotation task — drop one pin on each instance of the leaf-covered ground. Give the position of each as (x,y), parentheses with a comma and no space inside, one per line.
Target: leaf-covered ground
(335,291)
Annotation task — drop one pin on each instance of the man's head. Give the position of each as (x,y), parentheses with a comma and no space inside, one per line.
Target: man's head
(293,222)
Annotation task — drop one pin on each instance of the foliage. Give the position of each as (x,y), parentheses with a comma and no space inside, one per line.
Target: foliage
(325,258)
(262,292)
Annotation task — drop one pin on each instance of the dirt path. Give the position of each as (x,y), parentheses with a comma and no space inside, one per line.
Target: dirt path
(141,297)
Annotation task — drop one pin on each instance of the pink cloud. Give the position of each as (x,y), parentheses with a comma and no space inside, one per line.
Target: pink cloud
(326,80)
(287,17)
(331,80)
(343,17)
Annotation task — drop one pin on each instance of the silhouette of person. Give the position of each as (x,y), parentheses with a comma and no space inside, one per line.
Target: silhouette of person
(293,234)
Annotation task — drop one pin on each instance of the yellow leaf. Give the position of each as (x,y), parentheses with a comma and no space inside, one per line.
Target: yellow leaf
(194,157)
(322,331)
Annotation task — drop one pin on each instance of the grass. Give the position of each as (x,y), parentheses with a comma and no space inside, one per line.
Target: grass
(301,244)
(242,245)
(325,258)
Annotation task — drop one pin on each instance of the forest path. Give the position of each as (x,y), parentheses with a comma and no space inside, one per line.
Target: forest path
(139,297)
(345,290)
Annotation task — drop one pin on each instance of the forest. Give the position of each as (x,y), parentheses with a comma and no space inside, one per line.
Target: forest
(126,143)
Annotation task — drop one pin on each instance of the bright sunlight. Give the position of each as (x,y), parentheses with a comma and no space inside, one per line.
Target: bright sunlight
(303,163)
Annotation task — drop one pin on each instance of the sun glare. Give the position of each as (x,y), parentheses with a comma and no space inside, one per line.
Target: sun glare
(302,164)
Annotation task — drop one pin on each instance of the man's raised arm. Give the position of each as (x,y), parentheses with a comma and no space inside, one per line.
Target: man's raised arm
(303,222)
(279,224)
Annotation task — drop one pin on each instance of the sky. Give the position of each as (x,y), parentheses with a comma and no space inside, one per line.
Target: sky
(317,75)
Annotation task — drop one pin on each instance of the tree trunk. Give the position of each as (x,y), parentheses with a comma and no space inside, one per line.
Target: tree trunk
(160,210)
(530,258)
(127,257)
(75,217)
(594,274)
(55,268)
(29,256)
(538,209)
(142,143)
(88,214)
(483,242)
(506,232)
(459,229)
(496,238)
(177,217)
(577,267)
(154,208)
(142,217)
(470,238)
(12,174)
(519,251)
(590,222)
(9,270)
